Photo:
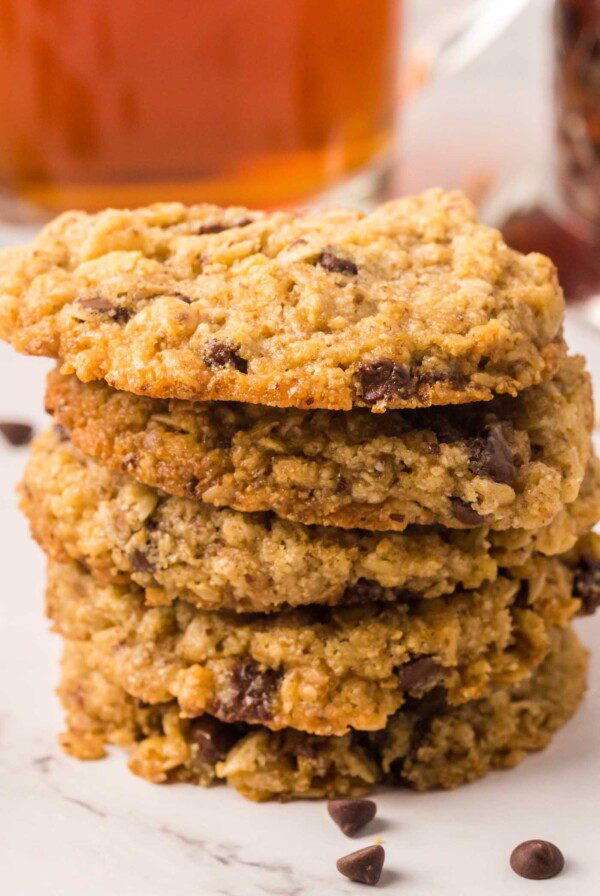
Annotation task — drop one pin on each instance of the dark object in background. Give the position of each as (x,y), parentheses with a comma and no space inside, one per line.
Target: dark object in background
(260,104)
(577,96)
(537,860)
(15,433)
(568,228)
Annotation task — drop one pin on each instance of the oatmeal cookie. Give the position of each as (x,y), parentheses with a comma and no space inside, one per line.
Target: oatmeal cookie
(412,305)
(222,559)
(426,745)
(320,670)
(510,462)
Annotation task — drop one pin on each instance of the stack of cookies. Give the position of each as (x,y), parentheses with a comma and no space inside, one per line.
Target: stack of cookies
(318,495)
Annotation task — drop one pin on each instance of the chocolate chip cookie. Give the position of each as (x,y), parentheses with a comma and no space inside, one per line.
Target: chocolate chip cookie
(412,305)
(316,669)
(177,547)
(426,745)
(507,463)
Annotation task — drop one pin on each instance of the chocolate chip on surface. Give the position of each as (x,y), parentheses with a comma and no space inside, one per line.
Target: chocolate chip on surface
(15,433)
(351,815)
(336,265)
(251,693)
(212,738)
(586,586)
(418,672)
(222,354)
(493,458)
(384,380)
(537,860)
(466,514)
(363,866)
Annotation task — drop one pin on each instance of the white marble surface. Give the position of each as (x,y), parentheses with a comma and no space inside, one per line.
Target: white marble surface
(70,828)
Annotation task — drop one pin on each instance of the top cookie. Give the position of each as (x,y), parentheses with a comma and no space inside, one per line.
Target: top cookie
(412,305)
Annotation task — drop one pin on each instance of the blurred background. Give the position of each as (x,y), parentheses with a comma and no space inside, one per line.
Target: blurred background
(275,103)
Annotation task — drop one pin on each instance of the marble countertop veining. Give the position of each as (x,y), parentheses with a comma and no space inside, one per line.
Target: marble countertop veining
(93,828)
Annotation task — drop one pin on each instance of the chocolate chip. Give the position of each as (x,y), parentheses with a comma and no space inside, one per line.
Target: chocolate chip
(425,708)
(363,866)
(16,434)
(251,693)
(418,672)
(102,305)
(219,228)
(586,586)
(213,739)
(222,354)
(342,485)
(384,380)
(351,815)
(368,591)
(310,748)
(537,860)
(183,298)
(493,458)
(191,487)
(61,432)
(139,561)
(336,265)
(363,590)
(466,514)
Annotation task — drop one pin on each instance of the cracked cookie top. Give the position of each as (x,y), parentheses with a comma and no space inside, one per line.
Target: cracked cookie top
(412,305)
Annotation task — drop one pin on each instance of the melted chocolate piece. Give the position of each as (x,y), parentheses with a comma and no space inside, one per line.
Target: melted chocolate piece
(213,738)
(102,305)
(466,514)
(384,380)
(418,673)
(219,228)
(586,586)
(139,561)
(222,354)
(252,690)
(493,458)
(335,264)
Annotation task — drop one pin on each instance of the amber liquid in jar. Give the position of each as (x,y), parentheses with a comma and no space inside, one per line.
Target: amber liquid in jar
(570,231)
(260,102)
